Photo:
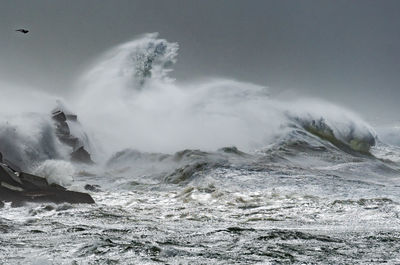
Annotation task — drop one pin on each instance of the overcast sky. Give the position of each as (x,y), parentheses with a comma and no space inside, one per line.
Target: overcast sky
(343,51)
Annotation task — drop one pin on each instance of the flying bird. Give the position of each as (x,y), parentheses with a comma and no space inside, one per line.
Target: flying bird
(23,30)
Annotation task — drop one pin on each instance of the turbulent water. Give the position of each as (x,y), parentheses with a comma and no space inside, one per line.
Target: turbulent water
(213,171)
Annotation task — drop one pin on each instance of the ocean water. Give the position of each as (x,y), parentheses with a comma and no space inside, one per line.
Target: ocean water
(213,171)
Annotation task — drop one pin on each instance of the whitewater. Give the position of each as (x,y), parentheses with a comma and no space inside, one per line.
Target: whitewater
(209,171)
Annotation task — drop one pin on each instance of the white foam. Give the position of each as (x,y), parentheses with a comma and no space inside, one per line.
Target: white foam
(160,115)
(127,100)
(165,116)
(56,171)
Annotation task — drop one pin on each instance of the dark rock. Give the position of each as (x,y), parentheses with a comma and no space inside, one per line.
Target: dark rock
(33,182)
(63,129)
(71,117)
(9,177)
(94,188)
(187,172)
(232,150)
(63,132)
(11,165)
(81,155)
(23,187)
(189,154)
(69,140)
(59,116)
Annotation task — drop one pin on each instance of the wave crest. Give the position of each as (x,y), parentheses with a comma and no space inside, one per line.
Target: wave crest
(336,125)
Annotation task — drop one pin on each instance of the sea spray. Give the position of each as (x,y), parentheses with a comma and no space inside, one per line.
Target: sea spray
(318,200)
(153,113)
(27,134)
(60,172)
(335,124)
(128,100)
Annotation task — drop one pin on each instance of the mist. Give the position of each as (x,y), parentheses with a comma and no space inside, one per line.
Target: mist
(127,99)
(344,52)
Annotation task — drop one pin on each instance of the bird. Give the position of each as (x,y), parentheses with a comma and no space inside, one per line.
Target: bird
(23,30)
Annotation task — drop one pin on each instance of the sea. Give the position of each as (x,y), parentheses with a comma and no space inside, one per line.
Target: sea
(211,171)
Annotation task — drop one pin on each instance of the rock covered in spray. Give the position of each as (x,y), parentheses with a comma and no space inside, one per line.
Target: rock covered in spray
(20,187)
(81,155)
(27,139)
(62,119)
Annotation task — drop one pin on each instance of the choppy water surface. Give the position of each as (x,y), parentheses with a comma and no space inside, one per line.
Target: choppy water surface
(244,210)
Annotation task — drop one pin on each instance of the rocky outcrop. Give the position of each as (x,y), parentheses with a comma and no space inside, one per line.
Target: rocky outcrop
(79,151)
(81,155)
(20,187)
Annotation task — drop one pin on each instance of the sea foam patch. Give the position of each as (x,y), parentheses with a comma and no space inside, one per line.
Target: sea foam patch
(57,171)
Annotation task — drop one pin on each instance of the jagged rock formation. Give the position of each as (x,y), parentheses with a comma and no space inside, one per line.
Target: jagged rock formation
(81,155)
(63,132)
(20,187)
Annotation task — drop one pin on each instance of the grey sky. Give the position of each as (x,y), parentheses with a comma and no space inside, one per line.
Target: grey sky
(344,51)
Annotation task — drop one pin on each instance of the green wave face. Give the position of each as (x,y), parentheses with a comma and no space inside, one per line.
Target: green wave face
(347,142)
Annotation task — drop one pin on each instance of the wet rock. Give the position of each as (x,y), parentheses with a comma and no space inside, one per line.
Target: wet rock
(187,172)
(189,154)
(69,140)
(59,116)
(81,155)
(232,150)
(63,132)
(94,188)
(20,187)
(11,165)
(63,129)
(71,117)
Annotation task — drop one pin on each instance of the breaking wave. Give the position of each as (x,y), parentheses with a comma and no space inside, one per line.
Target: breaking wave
(60,172)
(223,159)
(130,101)
(127,100)
(26,130)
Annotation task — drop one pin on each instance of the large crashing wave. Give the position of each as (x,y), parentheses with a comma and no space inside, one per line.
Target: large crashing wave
(148,111)
(27,135)
(338,126)
(136,62)
(28,139)
(129,100)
